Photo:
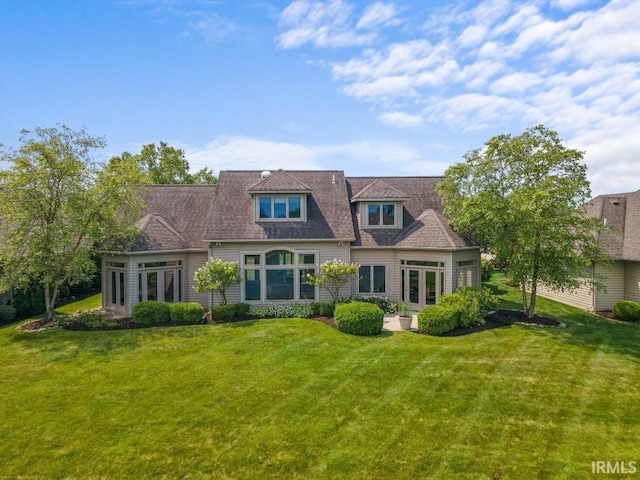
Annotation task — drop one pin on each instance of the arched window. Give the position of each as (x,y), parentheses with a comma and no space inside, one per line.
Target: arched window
(278,275)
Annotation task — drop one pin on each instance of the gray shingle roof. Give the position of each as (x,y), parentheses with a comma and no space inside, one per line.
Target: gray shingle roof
(184,216)
(279,181)
(424,224)
(379,190)
(175,217)
(622,214)
(233,214)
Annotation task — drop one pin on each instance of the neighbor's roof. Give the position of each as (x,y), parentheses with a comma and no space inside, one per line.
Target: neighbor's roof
(175,217)
(233,214)
(621,212)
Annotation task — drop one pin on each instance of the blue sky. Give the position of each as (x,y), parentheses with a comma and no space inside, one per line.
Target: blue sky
(372,88)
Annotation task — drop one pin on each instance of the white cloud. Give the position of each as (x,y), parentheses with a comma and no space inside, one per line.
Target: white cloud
(378,14)
(401,119)
(504,65)
(374,156)
(324,24)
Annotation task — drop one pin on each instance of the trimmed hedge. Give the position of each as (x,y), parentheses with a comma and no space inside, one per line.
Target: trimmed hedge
(627,310)
(473,304)
(438,319)
(242,310)
(359,318)
(187,312)
(282,311)
(7,313)
(223,312)
(324,309)
(151,311)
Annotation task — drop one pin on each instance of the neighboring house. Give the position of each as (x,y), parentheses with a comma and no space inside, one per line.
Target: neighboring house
(621,212)
(281,226)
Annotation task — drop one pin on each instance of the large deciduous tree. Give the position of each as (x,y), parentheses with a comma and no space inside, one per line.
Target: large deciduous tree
(58,205)
(168,165)
(522,197)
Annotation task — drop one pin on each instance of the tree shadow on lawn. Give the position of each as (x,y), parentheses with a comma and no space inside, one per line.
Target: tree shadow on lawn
(595,333)
(66,344)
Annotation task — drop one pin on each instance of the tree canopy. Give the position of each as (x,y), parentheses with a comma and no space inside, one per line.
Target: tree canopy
(522,197)
(57,205)
(167,165)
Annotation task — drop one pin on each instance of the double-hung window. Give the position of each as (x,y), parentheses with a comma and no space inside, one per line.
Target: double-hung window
(372,279)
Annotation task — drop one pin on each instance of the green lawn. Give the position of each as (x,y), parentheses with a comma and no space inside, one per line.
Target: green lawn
(297,399)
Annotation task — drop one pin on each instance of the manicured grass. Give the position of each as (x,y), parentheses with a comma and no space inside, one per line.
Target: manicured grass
(88,303)
(298,399)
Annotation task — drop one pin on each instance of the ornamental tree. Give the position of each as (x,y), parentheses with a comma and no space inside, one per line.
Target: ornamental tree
(522,198)
(217,275)
(334,274)
(59,206)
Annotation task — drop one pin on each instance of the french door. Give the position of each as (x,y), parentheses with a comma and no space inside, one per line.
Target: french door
(421,286)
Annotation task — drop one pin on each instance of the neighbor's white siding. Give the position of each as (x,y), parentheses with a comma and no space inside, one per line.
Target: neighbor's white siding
(232,252)
(632,281)
(615,275)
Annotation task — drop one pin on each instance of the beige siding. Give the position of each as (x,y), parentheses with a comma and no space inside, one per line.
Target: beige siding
(325,250)
(582,297)
(632,281)
(615,276)
(194,261)
(384,257)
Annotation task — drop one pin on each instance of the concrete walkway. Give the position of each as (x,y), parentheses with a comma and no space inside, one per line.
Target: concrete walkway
(391,324)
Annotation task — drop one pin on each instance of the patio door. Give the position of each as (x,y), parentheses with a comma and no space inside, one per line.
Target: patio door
(421,286)
(116,288)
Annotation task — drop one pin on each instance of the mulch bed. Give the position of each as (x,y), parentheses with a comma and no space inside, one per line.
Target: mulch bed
(504,318)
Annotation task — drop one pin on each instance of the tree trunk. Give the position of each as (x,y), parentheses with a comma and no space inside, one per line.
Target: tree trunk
(50,299)
(523,289)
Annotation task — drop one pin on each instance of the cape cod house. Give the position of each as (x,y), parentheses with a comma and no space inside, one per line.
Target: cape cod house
(281,226)
(621,212)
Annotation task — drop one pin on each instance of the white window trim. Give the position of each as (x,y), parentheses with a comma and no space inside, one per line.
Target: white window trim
(262,268)
(397,219)
(272,196)
(372,279)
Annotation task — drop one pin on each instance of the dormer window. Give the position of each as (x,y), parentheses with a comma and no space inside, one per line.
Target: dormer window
(381,214)
(280,207)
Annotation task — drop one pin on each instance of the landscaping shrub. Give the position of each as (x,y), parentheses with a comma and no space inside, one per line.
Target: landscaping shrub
(438,319)
(242,310)
(386,305)
(486,269)
(187,312)
(151,311)
(324,309)
(223,312)
(281,311)
(473,304)
(359,318)
(86,321)
(29,301)
(627,310)
(7,313)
